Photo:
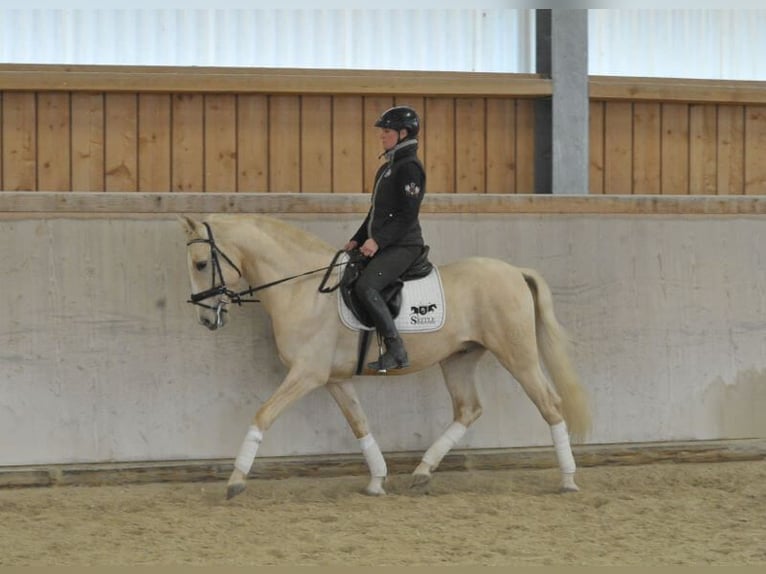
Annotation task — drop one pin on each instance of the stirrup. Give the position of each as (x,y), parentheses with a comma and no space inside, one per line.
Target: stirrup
(387,362)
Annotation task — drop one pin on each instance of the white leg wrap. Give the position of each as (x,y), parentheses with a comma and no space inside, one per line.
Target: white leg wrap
(443,444)
(560,437)
(373,456)
(248,449)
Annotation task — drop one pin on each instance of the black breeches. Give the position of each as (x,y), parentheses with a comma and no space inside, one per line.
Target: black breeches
(386,267)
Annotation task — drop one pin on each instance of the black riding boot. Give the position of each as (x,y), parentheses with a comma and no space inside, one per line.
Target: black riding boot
(395,356)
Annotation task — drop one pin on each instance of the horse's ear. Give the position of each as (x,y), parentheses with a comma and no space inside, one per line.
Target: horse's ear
(189,225)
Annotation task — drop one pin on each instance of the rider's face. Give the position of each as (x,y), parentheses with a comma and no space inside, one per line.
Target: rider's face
(389,137)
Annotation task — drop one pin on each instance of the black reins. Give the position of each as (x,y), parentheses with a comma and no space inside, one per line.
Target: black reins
(238,296)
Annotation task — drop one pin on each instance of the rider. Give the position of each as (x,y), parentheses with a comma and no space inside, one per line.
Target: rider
(390,234)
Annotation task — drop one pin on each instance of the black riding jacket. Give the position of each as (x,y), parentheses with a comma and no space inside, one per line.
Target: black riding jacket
(400,185)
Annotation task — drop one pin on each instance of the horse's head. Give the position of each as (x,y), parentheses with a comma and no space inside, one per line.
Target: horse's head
(210,272)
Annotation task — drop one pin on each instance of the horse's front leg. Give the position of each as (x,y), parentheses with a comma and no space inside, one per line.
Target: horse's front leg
(345,395)
(298,382)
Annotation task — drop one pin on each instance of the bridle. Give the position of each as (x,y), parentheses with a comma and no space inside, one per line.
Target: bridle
(218,283)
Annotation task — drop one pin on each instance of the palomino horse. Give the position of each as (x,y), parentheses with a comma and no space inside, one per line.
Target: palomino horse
(491,305)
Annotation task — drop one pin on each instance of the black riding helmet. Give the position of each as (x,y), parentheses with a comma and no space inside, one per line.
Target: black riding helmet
(400,118)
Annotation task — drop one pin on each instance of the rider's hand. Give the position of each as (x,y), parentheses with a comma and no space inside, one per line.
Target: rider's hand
(350,246)
(369,247)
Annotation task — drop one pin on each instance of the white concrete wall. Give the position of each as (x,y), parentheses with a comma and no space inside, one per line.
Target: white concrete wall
(101,359)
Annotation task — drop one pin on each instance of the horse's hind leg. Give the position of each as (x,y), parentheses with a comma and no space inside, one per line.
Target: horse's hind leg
(536,386)
(459,372)
(345,395)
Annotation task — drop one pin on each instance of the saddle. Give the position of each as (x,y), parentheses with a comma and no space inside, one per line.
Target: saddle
(392,294)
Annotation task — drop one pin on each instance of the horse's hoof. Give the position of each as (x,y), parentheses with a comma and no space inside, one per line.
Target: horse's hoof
(375,486)
(233,490)
(374,491)
(569,487)
(421,483)
(568,484)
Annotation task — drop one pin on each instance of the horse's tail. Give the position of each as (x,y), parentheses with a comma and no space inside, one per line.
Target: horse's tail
(554,345)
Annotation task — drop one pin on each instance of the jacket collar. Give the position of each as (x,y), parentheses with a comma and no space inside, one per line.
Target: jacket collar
(403,148)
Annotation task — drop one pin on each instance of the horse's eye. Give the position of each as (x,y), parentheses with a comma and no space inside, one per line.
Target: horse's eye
(200,265)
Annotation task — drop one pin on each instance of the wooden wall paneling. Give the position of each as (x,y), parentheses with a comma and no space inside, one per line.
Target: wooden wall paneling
(470,145)
(347,149)
(755,154)
(646,148)
(525,146)
(596,138)
(501,145)
(703,165)
(618,148)
(372,108)
(154,129)
(316,144)
(19,136)
(54,142)
(675,149)
(220,143)
(121,142)
(252,143)
(88,171)
(731,150)
(284,144)
(440,141)
(187,143)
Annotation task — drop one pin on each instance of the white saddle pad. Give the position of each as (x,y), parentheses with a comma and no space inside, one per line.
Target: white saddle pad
(422,309)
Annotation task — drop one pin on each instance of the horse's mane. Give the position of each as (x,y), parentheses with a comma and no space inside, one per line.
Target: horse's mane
(283,231)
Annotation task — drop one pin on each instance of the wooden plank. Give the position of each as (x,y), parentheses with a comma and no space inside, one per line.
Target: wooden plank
(88,131)
(252,143)
(525,146)
(54,143)
(618,148)
(334,465)
(372,108)
(755,146)
(284,141)
(316,144)
(294,81)
(676,90)
(675,149)
(440,141)
(154,129)
(220,142)
(470,145)
(19,137)
(121,142)
(37,204)
(646,148)
(187,143)
(703,160)
(731,150)
(501,145)
(347,151)
(596,137)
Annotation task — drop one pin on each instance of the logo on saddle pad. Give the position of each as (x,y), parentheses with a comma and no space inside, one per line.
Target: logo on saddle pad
(424,314)
(421,311)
